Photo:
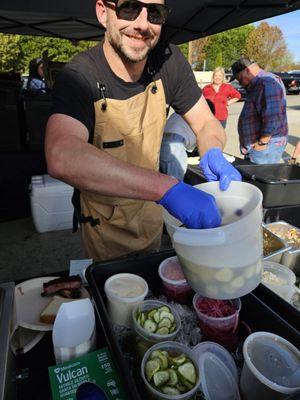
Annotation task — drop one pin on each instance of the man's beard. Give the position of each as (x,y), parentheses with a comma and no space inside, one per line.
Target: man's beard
(138,56)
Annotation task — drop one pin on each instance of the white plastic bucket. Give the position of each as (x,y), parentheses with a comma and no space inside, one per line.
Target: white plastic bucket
(223,262)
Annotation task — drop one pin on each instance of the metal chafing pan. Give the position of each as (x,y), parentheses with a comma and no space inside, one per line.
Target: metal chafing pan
(291,257)
(274,247)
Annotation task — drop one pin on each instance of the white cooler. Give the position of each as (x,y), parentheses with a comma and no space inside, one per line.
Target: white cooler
(51,205)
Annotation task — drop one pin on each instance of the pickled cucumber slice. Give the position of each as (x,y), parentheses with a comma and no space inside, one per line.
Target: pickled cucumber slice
(188,372)
(164,308)
(165,314)
(178,360)
(170,390)
(162,358)
(151,313)
(160,377)
(173,380)
(151,368)
(165,323)
(150,326)
(156,316)
(162,331)
(142,319)
(173,328)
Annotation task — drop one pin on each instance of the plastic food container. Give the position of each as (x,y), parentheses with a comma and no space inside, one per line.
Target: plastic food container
(224,262)
(220,352)
(144,338)
(280,279)
(124,292)
(223,330)
(271,369)
(175,286)
(175,349)
(290,235)
(217,382)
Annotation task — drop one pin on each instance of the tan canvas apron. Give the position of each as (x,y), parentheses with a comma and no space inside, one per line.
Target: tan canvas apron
(130,130)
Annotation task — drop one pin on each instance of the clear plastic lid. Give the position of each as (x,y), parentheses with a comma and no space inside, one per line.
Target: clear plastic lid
(218,351)
(217,382)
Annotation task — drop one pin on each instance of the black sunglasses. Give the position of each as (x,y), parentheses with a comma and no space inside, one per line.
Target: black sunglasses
(130,10)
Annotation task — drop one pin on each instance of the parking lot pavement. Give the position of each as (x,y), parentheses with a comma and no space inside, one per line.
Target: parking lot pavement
(293,111)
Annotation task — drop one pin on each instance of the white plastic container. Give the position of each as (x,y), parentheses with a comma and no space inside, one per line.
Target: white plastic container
(271,369)
(51,205)
(124,292)
(74,332)
(220,352)
(280,279)
(224,262)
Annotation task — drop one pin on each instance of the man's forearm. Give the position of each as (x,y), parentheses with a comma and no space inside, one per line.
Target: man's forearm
(88,168)
(211,135)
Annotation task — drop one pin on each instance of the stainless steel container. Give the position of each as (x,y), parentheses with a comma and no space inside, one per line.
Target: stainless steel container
(291,257)
(7,370)
(274,247)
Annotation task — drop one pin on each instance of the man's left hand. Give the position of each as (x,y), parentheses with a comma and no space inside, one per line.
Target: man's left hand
(215,167)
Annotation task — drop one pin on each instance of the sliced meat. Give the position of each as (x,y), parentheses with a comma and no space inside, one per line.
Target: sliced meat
(58,284)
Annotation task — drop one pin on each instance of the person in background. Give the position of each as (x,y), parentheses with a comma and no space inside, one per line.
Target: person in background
(105,133)
(221,94)
(178,139)
(36,82)
(262,125)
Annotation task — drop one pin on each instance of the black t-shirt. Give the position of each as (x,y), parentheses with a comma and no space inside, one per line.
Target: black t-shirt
(75,90)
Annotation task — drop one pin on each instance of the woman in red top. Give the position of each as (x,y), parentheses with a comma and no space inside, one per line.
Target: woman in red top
(221,95)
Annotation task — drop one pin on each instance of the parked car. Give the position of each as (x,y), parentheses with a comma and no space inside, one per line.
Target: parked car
(240,89)
(291,81)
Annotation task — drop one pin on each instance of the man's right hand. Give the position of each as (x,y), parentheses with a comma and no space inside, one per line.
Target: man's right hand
(193,207)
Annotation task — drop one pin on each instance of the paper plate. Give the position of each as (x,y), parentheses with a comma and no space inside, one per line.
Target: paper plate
(23,339)
(29,303)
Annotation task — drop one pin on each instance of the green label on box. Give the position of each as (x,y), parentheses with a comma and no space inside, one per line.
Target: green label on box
(96,367)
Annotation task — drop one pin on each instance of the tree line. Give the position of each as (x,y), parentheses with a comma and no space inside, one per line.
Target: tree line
(265,44)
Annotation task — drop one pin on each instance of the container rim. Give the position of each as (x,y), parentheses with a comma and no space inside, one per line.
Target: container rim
(213,319)
(170,281)
(221,228)
(247,360)
(125,299)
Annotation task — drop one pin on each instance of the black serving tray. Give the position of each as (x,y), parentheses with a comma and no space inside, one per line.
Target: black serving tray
(258,315)
(279,183)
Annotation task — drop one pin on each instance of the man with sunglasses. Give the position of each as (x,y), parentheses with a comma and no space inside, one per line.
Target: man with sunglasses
(105,133)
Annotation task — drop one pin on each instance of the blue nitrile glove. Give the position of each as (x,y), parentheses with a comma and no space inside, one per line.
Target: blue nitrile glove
(215,167)
(193,207)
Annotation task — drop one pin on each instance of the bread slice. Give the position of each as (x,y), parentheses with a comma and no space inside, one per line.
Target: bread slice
(48,314)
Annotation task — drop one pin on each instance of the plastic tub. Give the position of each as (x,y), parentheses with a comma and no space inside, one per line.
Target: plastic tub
(217,382)
(144,338)
(223,330)
(220,352)
(124,292)
(176,349)
(271,369)
(224,262)
(175,286)
(280,279)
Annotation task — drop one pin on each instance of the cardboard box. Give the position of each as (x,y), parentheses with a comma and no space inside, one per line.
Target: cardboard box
(96,367)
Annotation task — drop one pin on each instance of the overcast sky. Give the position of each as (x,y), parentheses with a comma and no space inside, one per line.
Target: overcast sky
(290,27)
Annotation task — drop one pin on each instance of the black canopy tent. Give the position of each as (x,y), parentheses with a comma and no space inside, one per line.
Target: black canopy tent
(190,19)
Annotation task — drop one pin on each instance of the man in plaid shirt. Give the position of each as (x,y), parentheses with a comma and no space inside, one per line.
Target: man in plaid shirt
(262,125)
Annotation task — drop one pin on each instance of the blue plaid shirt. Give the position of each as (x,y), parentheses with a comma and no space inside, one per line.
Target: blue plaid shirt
(264,111)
